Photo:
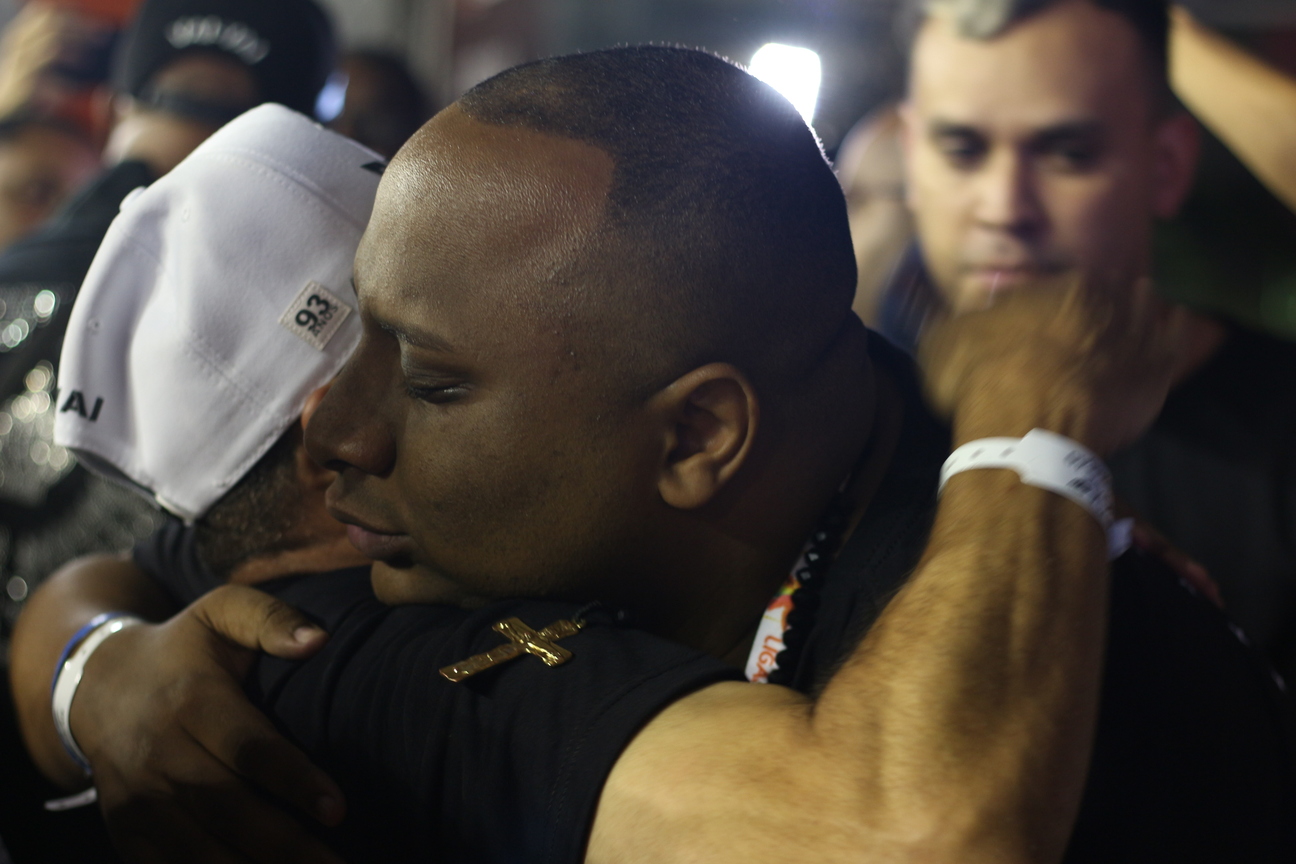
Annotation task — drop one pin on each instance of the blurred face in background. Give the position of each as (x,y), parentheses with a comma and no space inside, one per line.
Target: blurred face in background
(1043,150)
(40,167)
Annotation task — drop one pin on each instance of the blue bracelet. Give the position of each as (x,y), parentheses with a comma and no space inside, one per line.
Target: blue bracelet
(97,621)
(77,638)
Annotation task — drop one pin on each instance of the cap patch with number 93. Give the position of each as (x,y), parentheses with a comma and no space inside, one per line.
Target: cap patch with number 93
(315,315)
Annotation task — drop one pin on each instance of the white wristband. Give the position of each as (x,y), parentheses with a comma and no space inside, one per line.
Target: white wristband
(1049,461)
(68,678)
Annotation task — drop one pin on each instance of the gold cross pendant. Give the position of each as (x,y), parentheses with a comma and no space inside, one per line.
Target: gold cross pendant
(522,640)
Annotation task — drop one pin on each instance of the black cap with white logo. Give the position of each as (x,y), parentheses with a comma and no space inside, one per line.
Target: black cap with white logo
(287,45)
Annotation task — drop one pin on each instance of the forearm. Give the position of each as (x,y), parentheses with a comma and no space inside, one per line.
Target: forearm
(63,604)
(959,731)
(991,658)
(1247,103)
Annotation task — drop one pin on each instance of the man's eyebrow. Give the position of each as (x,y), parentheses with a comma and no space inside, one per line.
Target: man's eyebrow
(411,335)
(1078,130)
(418,338)
(951,129)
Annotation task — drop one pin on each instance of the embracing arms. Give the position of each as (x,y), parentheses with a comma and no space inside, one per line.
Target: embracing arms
(960,729)
(178,787)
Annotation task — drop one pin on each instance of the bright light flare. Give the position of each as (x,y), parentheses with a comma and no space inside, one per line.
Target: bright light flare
(794,72)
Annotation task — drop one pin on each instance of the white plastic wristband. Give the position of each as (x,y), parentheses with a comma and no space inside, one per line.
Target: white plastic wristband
(68,678)
(1049,461)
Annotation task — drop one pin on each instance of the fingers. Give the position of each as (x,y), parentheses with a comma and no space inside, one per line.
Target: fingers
(255,620)
(164,834)
(236,826)
(245,742)
(253,826)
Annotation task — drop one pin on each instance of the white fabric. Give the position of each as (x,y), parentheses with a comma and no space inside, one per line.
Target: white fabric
(1049,461)
(201,327)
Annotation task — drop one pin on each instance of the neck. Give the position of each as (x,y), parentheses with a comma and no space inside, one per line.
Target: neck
(1203,338)
(319,556)
(725,564)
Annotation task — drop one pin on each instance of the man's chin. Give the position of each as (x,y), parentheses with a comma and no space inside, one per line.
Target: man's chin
(402,585)
(980,288)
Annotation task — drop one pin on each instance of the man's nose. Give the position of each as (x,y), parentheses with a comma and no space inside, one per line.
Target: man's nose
(346,428)
(1008,198)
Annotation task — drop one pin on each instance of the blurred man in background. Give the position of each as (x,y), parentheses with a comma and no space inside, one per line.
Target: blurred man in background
(52,62)
(1030,153)
(42,163)
(384,105)
(870,167)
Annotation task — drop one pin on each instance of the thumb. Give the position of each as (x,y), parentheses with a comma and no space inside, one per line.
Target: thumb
(255,620)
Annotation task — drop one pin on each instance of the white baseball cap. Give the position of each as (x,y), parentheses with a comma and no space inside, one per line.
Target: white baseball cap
(220,298)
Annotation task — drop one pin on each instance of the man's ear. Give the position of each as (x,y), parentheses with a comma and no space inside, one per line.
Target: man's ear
(1178,144)
(709,419)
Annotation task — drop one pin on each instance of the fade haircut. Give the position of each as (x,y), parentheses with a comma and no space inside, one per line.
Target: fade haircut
(725,235)
(986,19)
(259,513)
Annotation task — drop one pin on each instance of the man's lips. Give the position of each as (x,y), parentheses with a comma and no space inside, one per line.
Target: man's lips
(379,545)
(988,281)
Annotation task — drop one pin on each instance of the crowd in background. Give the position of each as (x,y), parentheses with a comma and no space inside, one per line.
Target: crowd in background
(96,104)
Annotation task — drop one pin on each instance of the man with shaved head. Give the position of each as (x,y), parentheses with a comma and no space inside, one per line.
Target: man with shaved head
(608,357)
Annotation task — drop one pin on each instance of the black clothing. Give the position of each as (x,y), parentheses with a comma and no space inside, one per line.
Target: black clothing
(170,556)
(507,766)
(55,258)
(287,46)
(1217,475)
(1214,473)
(51,510)
(32,834)
(1193,760)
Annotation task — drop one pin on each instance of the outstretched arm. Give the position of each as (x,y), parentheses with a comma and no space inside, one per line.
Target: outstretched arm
(1248,103)
(960,729)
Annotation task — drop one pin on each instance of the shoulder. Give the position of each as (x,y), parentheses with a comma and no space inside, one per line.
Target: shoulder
(506,764)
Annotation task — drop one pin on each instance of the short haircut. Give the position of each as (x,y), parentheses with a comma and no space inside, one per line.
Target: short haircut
(986,19)
(725,237)
(258,515)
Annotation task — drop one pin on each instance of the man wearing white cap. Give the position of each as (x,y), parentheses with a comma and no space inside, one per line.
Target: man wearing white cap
(263,219)
(184,68)
(219,301)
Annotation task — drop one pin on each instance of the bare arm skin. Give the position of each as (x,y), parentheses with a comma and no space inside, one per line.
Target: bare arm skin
(1249,104)
(960,730)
